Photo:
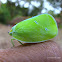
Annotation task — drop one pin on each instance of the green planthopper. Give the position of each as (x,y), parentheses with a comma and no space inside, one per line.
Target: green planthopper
(36,29)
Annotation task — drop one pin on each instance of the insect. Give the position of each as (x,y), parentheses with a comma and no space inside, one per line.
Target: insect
(36,29)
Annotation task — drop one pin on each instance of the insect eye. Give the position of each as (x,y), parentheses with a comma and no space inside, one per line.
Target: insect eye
(10,33)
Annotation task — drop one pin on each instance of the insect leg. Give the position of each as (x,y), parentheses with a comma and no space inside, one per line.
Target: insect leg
(12,41)
(20,42)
